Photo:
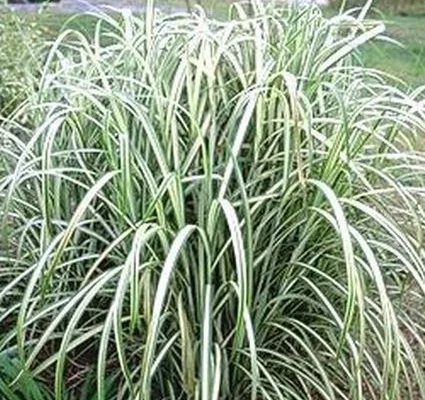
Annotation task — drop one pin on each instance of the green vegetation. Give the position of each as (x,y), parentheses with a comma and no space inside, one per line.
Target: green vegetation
(406,61)
(405,23)
(17,57)
(405,7)
(193,208)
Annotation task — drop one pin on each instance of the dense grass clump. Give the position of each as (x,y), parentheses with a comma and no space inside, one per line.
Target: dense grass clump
(213,210)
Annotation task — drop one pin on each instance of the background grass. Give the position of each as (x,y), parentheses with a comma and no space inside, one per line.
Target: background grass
(407,62)
(404,7)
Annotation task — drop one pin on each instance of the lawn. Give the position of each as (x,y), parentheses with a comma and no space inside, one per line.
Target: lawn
(406,61)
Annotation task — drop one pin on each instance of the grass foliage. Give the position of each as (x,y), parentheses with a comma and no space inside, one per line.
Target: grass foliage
(213,210)
(406,61)
(402,7)
(20,42)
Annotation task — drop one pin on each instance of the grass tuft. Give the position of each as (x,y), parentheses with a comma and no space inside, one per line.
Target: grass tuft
(206,209)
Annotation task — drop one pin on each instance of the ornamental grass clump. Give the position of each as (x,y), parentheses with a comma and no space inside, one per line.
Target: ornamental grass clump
(214,210)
